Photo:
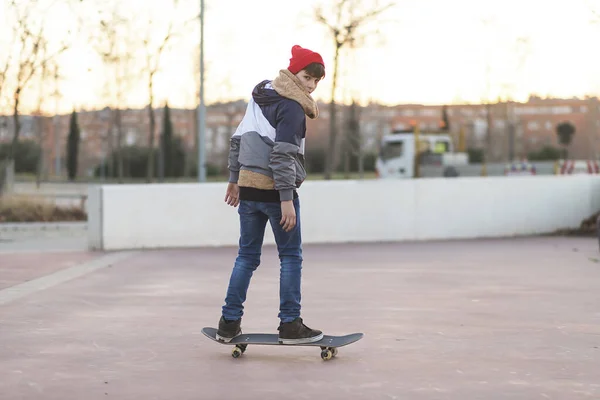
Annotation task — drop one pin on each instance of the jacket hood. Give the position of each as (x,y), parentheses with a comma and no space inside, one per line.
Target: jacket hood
(264,96)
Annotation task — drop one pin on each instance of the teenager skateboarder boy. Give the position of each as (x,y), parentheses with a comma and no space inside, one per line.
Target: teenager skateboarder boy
(266,164)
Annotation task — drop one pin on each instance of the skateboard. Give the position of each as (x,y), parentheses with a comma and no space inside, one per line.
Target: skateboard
(329,344)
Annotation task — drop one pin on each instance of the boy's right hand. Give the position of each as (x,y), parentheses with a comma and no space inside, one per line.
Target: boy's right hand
(232,196)
(288,215)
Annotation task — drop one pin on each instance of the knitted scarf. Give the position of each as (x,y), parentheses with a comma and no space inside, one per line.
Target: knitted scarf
(288,85)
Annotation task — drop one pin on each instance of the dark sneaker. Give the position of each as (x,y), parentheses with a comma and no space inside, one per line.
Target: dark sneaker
(228,330)
(296,332)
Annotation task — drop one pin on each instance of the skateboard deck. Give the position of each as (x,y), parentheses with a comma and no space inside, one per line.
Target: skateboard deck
(328,344)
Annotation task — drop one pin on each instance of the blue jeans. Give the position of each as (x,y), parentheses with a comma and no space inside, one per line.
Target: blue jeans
(253,220)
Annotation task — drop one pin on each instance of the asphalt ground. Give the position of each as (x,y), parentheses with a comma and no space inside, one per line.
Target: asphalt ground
(479,319)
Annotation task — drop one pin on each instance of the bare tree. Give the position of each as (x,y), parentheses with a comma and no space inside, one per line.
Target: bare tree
(518,49)
(45,73)
(5,64)
(345,23)
(32,53)
(593,137)
(132,47)
(113,42)
(57,95)
(153,56)
(154,51)
(353,141)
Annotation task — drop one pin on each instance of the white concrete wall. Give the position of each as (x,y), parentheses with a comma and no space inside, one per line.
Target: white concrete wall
(94,210)
(189,215)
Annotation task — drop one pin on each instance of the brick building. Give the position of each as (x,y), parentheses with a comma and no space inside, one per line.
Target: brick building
(532,125)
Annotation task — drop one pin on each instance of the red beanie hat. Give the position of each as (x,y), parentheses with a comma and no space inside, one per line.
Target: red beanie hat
(301,58)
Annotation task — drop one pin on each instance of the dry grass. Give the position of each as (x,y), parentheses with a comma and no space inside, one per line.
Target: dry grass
(588,228)
(21,208)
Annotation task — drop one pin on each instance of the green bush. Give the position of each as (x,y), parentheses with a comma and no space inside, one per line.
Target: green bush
(27,154)
(475,155)
(135,162)
(546,153)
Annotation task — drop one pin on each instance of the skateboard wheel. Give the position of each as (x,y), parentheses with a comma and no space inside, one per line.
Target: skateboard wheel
(334,351)
(242,347)
(326,355)
(236,352)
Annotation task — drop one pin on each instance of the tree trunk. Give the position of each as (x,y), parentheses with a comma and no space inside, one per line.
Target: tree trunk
(357,138)
(352,146)
(40,163)
(111,149)
(17,126)
(150,170)
(347,163)
(330,160)
(190,156)
(119,124)
(488,137)
(361,161)
(162,156)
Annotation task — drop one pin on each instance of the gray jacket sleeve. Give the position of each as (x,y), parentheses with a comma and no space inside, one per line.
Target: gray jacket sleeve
(289,130)
(284,169)
(232,163)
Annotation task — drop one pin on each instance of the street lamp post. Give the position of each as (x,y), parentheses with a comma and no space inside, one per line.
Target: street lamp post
(201,107)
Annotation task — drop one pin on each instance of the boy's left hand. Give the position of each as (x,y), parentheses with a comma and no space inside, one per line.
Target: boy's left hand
(232,196)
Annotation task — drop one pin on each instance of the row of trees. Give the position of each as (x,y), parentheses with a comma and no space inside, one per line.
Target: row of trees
(168,161)
(127,44)
(27,154)
(565,132)
(132,47)
(172,159)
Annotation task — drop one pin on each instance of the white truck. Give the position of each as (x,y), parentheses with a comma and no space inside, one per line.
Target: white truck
(397,150)
(437,156)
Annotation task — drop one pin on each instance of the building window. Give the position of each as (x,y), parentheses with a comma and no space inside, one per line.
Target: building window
(561,110)
(130,137)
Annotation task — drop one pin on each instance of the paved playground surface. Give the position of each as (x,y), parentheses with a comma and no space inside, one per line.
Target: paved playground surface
(482,319)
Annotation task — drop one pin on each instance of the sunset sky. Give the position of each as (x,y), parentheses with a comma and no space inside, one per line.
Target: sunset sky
(427,51)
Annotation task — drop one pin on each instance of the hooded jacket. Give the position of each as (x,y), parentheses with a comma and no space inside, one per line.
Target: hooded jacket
(266,154)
